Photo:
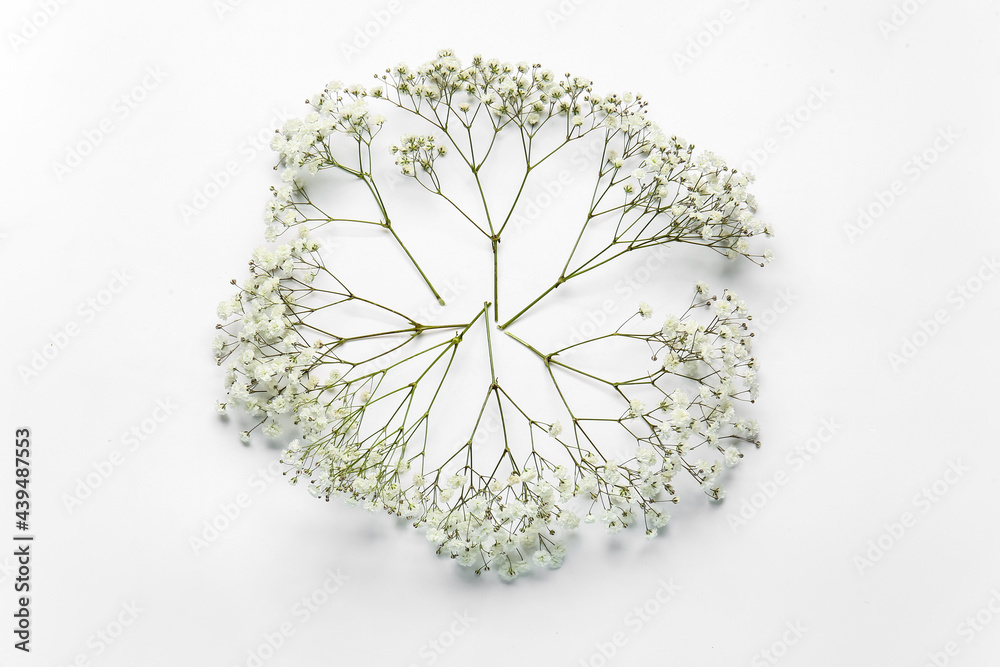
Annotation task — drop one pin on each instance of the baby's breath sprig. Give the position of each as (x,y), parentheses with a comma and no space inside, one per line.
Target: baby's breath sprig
(358,409)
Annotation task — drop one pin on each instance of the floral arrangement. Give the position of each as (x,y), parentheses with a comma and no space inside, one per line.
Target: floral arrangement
(353,385)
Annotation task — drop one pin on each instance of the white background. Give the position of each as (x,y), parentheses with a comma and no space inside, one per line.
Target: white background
(824,550)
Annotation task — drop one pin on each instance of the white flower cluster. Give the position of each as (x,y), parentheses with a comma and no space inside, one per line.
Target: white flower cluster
(417,149)
(499,524)
(527,95)
(304,142)
(269,361)
(301,382)
(714,361)
(699,198)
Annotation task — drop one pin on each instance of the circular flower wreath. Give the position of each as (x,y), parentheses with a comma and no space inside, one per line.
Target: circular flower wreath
(363,418)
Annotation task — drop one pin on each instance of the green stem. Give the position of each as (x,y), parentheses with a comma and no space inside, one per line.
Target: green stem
(496,277)
(489,344)
(414,262)
(530,305)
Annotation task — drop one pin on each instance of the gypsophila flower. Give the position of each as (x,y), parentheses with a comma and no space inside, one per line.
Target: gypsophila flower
(359,407)
(732,455)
